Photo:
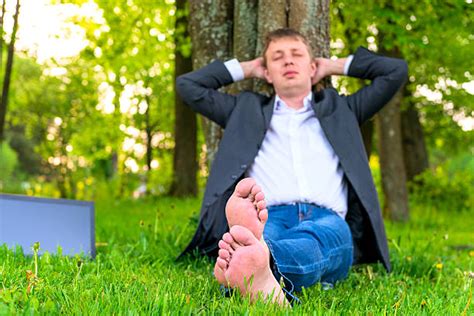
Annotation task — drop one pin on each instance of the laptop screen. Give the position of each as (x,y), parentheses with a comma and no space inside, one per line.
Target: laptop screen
(54,223)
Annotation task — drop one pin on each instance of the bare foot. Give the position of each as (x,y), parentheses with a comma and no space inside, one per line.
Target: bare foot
(246,207)
(244,263)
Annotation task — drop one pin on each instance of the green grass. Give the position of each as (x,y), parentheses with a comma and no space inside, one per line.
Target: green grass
(135,271)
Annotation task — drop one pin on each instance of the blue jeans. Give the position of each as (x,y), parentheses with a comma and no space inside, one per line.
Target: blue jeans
(308,244)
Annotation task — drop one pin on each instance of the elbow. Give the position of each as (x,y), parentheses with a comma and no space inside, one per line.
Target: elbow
(403,70)
(180,85)
(399,72)
(183,88)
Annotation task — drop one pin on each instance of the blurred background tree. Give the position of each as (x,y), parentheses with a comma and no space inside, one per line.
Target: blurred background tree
(92,111)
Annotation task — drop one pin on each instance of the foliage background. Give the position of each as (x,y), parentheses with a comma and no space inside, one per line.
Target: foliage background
(77,128)
(78,124)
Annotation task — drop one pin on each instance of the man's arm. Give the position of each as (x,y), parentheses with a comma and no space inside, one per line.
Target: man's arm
(387,75)
(198,89)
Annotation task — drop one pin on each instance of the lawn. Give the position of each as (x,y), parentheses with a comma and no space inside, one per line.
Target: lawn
(135,271)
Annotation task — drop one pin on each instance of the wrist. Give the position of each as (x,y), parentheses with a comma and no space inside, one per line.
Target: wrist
(337,66)
(247,68)
(235,70)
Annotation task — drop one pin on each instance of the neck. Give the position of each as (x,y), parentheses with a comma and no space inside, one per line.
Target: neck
(295,101)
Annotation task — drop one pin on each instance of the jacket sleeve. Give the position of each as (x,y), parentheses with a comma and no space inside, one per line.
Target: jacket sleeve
(199,90)
(387,76)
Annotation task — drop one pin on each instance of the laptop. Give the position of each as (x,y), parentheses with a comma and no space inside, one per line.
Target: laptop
(53,223)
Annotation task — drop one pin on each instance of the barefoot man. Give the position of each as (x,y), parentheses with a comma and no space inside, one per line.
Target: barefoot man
(290,199)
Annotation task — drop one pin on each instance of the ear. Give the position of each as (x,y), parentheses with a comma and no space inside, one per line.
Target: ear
(267,75)
(313,68)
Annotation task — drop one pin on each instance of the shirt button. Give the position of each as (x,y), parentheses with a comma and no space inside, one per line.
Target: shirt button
(234,177)
(244,166)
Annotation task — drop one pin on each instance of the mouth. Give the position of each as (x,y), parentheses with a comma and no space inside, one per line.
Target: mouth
(290,73)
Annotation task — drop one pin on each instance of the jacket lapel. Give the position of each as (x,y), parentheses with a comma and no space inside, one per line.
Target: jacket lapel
(267,110)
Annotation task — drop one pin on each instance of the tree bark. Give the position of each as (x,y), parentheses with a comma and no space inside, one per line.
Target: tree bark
(149,147)
(415,154)
(391,160)
(8,72)
(272,15)
(245,37)
(367,131)
(311,18)
(185,127)
(2,32)
(211,25)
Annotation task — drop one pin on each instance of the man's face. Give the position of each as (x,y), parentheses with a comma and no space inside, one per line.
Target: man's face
(289,66)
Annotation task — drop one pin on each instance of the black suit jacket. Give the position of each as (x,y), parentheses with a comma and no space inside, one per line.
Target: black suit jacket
(246,117)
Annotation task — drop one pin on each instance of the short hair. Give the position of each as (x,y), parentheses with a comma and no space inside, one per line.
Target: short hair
(284,33)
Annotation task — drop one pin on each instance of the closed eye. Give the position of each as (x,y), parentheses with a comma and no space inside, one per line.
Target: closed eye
(277,56)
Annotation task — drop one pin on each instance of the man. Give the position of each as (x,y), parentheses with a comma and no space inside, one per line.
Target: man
(291,174)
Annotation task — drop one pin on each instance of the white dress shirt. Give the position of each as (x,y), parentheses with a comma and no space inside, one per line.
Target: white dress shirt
(295,162)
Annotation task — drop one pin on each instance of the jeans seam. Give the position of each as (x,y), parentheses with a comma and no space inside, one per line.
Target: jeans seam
(270,248)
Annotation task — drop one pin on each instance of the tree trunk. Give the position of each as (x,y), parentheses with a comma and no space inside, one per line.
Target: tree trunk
(2,32)
(211,34)
(149,148)
(391,160)
(185,125)
(415,155)
(8,72)
(311,18)
(245,37)
(367,131)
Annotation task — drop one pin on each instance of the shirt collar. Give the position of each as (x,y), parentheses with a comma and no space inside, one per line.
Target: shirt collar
(281,105)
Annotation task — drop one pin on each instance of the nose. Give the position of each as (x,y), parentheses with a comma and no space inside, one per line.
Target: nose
(288,60)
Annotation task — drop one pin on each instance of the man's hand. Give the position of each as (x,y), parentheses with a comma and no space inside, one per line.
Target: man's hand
(327,67)
(253,68)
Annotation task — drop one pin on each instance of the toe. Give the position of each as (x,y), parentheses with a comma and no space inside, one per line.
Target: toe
(259,196)
(219,274)
(255,190)
(222,264)
(242,236)
(227,238)
(223,245)
(233,245)
(263,215)
(244,187)
(261,205)
(224,254)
